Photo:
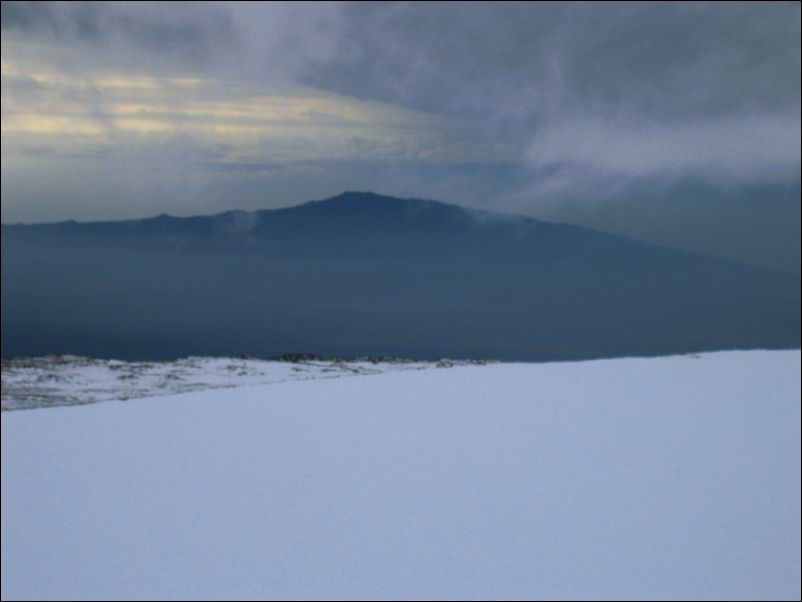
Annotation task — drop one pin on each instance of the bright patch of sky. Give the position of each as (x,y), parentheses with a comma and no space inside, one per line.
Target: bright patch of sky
(47,112)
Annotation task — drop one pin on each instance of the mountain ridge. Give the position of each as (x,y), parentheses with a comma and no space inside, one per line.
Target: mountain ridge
(348,196)
(345,209)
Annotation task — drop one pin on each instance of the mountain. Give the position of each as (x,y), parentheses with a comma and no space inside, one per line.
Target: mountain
(363,274)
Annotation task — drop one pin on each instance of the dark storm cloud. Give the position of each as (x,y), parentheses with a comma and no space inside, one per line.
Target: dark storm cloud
(519,59)
(578,74)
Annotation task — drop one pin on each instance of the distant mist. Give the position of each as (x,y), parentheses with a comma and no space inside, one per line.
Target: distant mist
(362,274)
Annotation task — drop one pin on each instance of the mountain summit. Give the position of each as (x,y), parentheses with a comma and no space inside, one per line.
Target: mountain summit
(364,274)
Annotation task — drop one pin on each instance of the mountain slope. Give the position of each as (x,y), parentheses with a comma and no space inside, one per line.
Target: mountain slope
(361,274)
(631,479)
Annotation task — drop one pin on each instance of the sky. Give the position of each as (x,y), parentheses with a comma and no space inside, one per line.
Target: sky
(675,123)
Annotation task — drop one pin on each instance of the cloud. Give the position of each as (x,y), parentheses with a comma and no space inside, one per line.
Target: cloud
(600,84)
(135,114)
(130,34)
(518,59)
(765,145)
(266,43)
(525,76)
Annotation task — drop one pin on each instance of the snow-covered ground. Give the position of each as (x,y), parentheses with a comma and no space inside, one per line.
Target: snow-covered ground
(667,478)
(57,380)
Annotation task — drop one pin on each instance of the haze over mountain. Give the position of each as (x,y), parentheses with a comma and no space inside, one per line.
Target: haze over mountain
(365,274)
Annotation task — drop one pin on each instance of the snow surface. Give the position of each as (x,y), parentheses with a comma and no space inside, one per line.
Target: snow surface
(619,479)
